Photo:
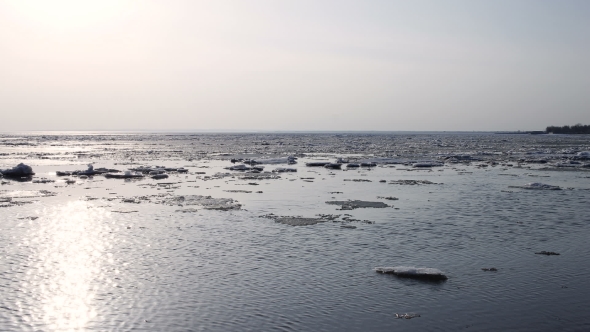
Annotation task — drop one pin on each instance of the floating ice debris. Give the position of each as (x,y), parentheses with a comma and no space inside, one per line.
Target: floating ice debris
(88,172)
(126,175)
(547,253)
(288,160)
(427,164)
(284,170)
(145,169)
(333,166)
(413,272)
(491,269)
(389,198)
(298,221)
(351,205)
(351,165)
(348,226)
(159,176)
(43,180)
(406,316)
(537,186)
(26,194)
(190,210)
(240,167)
(411,182)
(569,163)
(158,169)
(243,167)
(19,171)
(207,202)
(462,158)
(317,164)
(258,176)
(370,164)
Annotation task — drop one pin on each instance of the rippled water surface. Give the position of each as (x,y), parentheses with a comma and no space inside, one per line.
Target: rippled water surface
(110,254)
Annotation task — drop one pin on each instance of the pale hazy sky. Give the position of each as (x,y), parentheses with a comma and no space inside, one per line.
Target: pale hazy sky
(293,65)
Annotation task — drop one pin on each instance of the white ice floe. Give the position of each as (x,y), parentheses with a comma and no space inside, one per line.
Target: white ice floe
(413,272)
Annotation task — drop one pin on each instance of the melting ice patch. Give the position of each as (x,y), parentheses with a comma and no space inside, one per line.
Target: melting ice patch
(413,272)
(207,202)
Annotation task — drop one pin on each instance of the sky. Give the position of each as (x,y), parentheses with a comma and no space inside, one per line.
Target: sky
(304,65)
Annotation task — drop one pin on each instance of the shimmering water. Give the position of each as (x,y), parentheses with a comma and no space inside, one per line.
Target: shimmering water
(106,254)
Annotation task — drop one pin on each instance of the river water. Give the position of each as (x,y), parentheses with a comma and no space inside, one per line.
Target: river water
(103,254)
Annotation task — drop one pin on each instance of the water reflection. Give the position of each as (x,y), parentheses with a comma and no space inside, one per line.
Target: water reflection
(70,250)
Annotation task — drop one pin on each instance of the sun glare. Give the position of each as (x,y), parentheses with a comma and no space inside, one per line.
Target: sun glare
(68,262)
(66,14)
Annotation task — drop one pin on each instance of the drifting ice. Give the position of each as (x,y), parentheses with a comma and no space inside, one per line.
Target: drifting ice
(413,272)
(20,170)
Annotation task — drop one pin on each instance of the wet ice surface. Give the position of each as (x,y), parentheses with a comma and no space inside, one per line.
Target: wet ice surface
(198,250)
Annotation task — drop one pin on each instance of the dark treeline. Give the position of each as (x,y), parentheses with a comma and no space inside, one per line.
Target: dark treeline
(575,129)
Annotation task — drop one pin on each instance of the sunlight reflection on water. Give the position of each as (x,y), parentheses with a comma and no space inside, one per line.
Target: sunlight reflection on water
(69,251)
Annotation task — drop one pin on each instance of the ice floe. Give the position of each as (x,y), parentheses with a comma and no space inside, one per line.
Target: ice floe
(411,182)
(537,186)
(351,205)
(284,170)
(547,253)
(20,170)
(126,175)
(427,164)
(317,164)
(333,166)
(413,272)
(207,202)
(288,160)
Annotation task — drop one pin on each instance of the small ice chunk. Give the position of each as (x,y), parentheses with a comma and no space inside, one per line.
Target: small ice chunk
(413,272)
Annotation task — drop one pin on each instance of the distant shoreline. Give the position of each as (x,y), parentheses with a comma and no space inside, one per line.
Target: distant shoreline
(534,132)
